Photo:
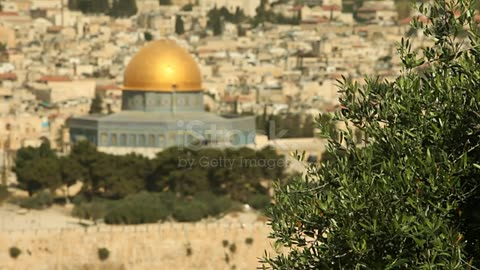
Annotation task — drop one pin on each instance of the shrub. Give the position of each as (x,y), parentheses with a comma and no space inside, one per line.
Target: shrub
(258,201)
(216,205)
(188,211)
(225,243)
(140,208)
(227,258)
(249,241)
(189,250)
(233,248)
(103,254)
(93,211)
(40,200)
(79,199)
(14,252)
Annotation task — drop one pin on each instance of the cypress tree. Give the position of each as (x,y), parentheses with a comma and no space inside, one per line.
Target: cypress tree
(179,27)
(96,106)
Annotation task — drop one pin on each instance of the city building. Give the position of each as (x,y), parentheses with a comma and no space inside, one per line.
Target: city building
(162,106)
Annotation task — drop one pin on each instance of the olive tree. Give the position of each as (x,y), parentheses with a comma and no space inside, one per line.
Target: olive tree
(405,198)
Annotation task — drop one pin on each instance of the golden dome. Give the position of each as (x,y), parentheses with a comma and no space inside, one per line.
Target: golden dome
(160,66)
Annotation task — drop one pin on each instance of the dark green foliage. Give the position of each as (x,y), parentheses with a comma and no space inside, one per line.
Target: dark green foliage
(96,106)
(89,6)
(4,194)
(179,27)
(263,15)
(37,168)
(140,208)
(123,8)
(148,36)
(165,2)
(190,211)
(147,207)
(187,7)
(215,22)
(71,170)
(218,180)
(407,199)
(119,8)
(233,172)
(92,210)
(79,199)
(216,205)
(40,200)
(103,254)
(227,258)
(116,176)
(259,201)
(286,125)
(218,17)
(40,174)
(14,252)
(225,243)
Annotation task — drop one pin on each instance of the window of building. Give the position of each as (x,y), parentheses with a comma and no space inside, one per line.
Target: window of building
(113,139)
(235,138)
(172,137)
(132,140)
(193,139)
(180,138)
(104,138)
(141,140)
(151,140)
(212,137)
(123,140)
(161,140)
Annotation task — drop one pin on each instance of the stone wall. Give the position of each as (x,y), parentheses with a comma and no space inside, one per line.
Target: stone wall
(156,246)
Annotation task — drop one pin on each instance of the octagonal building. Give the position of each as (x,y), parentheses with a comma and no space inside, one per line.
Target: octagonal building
(162,106)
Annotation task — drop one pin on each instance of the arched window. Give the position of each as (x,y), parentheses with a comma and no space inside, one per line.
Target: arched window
(104,138)
(132,140)
(151,140)
(172,138)
(141,140)
(123,140)
(180,138)
(113,139)
(161,140)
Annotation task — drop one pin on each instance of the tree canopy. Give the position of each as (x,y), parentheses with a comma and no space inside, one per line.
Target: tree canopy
(123,8)
(236,173)
(407,198)
(37,168)
(89,6)
(165,2)
(119,8)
